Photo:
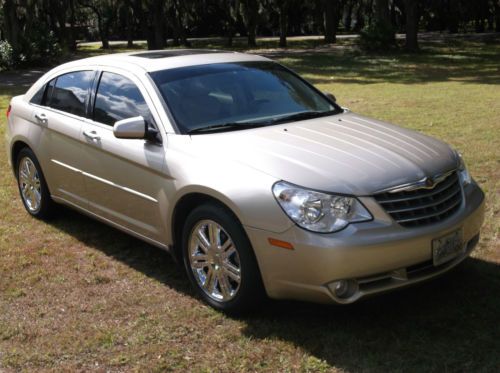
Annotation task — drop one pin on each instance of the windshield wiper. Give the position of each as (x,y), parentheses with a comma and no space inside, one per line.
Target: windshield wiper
(230,126)
(302,116)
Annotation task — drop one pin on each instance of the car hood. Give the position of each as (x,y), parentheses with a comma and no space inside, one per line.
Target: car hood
(345,153)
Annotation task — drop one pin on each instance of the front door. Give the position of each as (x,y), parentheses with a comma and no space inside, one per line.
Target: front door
(124,178)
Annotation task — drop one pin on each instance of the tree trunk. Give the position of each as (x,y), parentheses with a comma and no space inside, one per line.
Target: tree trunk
(393,14)
(411,10)
(174,24)
(331,20)
(229,32)
(178,25)
(360,19)
(11,25)
(103,32)
(369,11)
(497,15)
(479,25)
(453,16)
(130,28)
(283,22)
(382,14)
(142,17)
(72,31)
(230,20)
(383,25)
(158,25)
(348,15)
(182,33)
(59,15)
(102,27)
(150,36)
(251,11)
(104,39)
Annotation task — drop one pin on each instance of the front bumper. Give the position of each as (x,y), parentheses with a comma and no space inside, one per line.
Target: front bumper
(379,255)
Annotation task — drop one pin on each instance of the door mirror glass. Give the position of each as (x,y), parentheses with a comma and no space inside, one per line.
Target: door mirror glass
(330,96)
(130,128)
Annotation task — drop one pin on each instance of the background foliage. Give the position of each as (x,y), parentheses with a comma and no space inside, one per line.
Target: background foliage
(38,31)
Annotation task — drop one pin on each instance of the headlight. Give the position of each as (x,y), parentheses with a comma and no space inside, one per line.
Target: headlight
(462,171)
(316,211)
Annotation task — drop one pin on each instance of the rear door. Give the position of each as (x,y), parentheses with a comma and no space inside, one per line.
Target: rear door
(124,177)
(59,110)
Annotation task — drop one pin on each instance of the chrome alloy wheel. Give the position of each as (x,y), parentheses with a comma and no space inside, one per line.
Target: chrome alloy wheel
(29,183)
(214,261)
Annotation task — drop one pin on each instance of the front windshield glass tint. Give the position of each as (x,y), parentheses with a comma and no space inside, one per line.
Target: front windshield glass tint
(218,94)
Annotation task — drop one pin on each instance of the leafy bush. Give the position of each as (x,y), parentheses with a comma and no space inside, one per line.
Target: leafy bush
(7,59)
(43,49)
(377,36)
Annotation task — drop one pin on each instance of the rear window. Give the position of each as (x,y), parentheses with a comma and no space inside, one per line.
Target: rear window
(38,97)
(70,92)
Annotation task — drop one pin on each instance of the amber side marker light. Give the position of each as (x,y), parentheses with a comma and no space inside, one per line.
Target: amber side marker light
(279,243)
(8,111)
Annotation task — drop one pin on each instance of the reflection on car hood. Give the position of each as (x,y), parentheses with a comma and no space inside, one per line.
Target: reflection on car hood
(345,153)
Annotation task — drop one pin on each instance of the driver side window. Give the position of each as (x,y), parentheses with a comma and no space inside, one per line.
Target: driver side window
(118,98)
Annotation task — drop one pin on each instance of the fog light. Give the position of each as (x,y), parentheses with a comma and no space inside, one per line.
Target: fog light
(344,288)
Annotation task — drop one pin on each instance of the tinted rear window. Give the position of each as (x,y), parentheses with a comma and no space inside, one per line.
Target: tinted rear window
(38,97)
(70,92)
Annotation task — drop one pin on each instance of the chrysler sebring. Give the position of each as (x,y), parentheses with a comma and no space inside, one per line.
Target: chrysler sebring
(258,183)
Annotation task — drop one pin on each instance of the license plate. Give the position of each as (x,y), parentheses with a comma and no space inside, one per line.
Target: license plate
(447,247)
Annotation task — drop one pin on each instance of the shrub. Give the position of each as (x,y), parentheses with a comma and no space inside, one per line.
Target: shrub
(377,36)
(7,59)
(43,49)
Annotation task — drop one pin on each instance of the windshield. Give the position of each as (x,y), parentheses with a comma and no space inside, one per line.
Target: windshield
(225,95)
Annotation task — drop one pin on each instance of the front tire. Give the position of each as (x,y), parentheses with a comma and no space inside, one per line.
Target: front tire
(219,260)
(32,186)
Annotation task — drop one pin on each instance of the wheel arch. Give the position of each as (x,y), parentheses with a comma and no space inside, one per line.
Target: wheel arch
(184,205)
(16,148)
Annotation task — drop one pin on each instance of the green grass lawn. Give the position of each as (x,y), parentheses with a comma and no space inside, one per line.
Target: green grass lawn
(78,295)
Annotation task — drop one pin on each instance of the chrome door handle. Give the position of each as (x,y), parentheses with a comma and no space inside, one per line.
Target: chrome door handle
(91,135)
(41,118)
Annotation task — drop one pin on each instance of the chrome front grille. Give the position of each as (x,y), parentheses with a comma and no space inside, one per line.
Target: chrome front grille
(420,207)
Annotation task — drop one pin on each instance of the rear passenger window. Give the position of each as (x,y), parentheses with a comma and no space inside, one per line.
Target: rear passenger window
(38,97)
(70,92)
(118,98)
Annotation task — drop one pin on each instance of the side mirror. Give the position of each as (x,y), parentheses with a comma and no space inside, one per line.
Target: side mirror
(330,96)
(130,128)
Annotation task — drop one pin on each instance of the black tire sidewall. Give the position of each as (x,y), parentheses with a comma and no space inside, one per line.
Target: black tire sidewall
(46,204)
(251,291)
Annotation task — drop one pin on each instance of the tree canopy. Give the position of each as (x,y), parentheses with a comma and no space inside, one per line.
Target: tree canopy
(34,30)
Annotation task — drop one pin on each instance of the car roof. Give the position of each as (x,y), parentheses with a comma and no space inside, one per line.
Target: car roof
(150,61)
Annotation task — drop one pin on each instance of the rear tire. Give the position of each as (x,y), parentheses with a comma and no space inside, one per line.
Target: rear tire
(220,261)
(32,186)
